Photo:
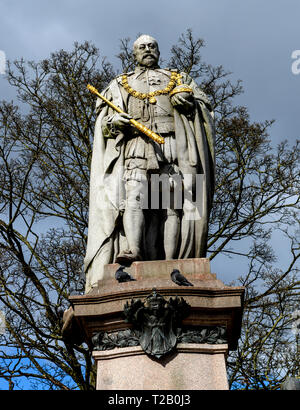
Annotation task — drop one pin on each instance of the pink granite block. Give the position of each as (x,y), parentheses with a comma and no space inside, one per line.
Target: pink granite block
(191,367)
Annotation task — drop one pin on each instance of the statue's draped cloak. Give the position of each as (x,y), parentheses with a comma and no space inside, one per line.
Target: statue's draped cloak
(107,195)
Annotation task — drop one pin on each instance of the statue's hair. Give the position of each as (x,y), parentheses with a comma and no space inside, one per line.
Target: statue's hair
(143,37)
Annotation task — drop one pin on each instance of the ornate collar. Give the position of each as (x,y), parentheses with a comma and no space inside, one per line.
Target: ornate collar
(175,79)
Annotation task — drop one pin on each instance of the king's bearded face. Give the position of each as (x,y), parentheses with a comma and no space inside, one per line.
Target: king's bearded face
(146,52)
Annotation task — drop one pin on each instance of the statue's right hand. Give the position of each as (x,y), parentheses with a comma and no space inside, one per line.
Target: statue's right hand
(121,120)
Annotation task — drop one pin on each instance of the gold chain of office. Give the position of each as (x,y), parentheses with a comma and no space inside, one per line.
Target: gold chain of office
(175,79)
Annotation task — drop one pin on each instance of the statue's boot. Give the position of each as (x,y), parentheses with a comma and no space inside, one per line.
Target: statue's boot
(133,222)
(127,257)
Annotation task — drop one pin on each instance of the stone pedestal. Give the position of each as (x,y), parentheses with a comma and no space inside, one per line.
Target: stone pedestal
(191,367)
(199,364)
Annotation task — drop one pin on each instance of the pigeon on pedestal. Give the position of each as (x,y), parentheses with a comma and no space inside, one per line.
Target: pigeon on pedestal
(122,276)
(179,279)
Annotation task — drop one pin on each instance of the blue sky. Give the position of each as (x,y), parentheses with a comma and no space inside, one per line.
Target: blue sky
(253,39)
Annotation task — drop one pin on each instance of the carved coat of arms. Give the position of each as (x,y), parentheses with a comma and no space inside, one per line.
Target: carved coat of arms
(156,322)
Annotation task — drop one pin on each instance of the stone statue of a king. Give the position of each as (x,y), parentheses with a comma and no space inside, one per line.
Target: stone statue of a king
(150,201)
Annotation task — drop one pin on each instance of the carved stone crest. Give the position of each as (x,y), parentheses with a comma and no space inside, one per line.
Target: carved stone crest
(156,322)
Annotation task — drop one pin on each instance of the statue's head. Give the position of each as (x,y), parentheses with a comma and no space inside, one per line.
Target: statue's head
(146,51)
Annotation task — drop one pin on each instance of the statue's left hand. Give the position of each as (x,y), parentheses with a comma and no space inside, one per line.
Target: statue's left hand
(183,102)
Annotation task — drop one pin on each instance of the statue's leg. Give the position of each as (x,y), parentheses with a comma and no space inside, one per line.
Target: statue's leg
(187,222)
(171,218)
(133,221)
(171,233)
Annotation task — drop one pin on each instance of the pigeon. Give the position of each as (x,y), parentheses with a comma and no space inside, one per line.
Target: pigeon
(179,279)
(122,276)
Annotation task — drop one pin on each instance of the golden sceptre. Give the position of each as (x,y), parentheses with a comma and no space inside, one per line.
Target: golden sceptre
(138,125)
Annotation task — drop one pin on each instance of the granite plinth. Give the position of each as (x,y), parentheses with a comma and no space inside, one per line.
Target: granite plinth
(191,367)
